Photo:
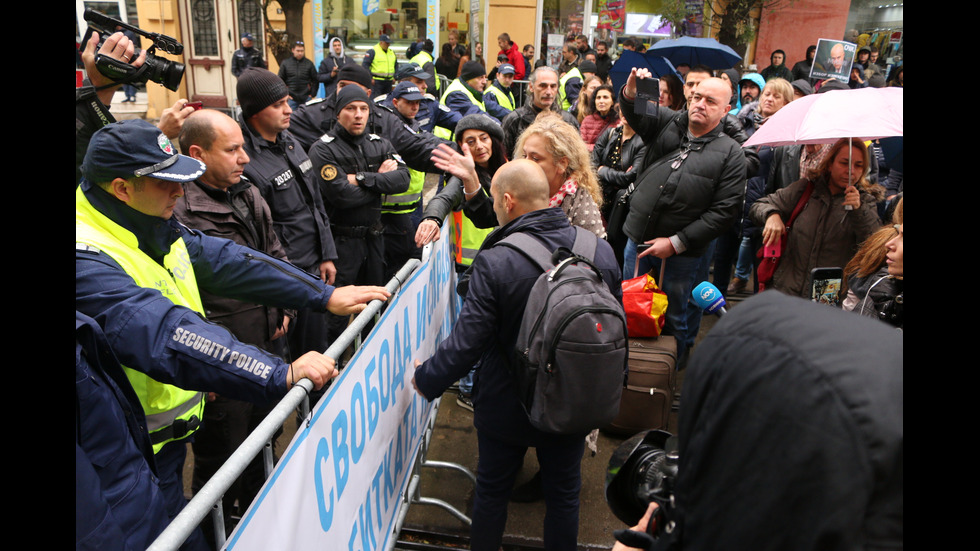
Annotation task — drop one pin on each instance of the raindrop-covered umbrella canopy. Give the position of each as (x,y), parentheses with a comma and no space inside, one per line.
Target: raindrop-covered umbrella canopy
(696,51)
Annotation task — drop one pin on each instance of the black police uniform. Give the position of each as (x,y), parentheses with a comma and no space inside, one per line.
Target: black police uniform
(243,58)
(355,210)
(281,172)
(400,226)
(316,118)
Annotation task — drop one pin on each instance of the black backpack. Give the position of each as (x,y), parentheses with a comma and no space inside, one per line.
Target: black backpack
(570,361)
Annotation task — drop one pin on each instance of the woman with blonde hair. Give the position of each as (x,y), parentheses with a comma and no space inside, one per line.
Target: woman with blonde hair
(559,150)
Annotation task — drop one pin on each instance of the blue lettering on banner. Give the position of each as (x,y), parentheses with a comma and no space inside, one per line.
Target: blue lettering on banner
(358,449)
(326,513)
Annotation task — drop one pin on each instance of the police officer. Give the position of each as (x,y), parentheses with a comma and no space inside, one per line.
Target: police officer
(281,170)
(355,169)
(498,96)
(465,94)
(426,61)
(318,117)
(246,56)
(431,113)
(381,61)
(570,84)
(139,273)
(402,212)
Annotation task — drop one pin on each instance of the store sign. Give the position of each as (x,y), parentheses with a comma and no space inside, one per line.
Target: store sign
(431,18)
(370,6)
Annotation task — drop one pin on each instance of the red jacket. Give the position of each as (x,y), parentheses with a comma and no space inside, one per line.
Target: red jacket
(515,58)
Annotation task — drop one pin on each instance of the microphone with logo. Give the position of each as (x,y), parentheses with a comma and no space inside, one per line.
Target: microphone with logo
(709,299)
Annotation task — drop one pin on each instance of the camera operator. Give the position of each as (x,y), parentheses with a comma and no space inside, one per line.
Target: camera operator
(790,435)
(92,101)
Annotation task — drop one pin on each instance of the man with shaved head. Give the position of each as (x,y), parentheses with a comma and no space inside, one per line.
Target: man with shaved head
(690,193)
(222,203)
(485,335)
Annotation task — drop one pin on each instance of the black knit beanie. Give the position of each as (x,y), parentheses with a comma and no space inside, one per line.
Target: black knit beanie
(259,88)
(349,94)
(471,69)
(355,73)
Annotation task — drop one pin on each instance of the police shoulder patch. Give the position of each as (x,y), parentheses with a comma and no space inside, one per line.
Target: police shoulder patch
(444,108)
(380,98)
(326,138)
(328,172)
(431,97)
(314,101)
(374,137)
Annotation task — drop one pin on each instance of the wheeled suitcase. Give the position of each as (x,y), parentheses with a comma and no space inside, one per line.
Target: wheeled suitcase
(649,392)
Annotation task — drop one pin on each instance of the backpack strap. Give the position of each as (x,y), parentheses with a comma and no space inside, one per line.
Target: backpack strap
(586,243)
(529,247)
(584,247)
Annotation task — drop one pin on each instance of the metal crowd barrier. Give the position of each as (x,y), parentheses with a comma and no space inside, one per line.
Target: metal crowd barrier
(208,499)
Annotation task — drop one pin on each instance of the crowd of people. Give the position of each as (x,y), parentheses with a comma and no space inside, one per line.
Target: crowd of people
(327,194)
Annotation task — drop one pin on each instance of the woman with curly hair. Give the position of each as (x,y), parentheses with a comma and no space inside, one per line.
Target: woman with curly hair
(559,150)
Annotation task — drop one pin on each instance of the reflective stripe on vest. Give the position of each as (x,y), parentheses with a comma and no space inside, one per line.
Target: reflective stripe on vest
(407,200)
(467,238)
(443,133)
(565,103)
(163,404)
(457,86)
(505,99)
(383,64)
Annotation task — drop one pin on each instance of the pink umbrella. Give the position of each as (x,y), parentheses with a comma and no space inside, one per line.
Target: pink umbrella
(865,114)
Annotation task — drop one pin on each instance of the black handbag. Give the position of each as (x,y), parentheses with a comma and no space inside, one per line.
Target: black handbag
(617,216)
(621,206)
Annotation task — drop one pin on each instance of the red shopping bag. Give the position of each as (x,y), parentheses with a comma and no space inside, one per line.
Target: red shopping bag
(646,306)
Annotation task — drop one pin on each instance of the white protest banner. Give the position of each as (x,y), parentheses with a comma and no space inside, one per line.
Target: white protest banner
(340,482)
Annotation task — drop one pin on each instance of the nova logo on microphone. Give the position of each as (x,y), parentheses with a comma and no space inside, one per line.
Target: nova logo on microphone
(709,298)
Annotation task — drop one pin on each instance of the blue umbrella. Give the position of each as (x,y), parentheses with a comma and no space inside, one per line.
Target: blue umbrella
(621,69)
(696,51)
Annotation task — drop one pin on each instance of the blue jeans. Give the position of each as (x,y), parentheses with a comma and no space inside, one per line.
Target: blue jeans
(746,257)
(681,275)
(466,383)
